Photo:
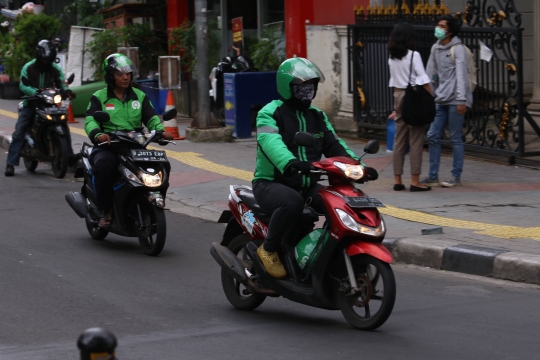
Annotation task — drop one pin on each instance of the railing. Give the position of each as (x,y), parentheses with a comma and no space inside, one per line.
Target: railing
(498,122)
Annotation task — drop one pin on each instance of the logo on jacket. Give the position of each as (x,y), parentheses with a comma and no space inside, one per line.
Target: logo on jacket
(319,135)
(135,104)
(109,107)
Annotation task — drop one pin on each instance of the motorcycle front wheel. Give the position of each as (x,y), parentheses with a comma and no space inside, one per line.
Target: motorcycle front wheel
(29,163)
(153,230)
(372,304)
(236,292)
(60,152)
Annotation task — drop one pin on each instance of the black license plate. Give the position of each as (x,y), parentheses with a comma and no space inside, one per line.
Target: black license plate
(363,202)
(148,155)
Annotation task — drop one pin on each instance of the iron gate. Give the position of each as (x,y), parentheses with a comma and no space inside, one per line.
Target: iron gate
(498,122)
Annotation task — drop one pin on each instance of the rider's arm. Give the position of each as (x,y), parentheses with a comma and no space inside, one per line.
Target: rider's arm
(149,117)
(91,126)
(24,84)
(333,145)
(270,141)
(59,79)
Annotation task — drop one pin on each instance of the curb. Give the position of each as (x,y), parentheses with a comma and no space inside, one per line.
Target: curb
(474,260)
(441,254)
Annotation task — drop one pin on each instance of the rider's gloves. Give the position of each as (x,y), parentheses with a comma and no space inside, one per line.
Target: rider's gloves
(70,94)
(372,174)
(298,166)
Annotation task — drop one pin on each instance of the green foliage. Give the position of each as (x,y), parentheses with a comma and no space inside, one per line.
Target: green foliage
(30,29)
(106,42)
(85,13)
(268,53)
(182,42)
(13,57)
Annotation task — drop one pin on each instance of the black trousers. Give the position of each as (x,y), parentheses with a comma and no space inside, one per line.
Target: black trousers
(104,166)
(286,205)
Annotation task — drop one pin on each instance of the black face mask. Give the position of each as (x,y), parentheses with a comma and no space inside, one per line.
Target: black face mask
(302,95)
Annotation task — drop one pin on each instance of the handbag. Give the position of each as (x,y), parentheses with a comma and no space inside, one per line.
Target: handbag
(418,107)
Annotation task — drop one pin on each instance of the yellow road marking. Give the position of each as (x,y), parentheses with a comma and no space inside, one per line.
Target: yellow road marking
(500,231)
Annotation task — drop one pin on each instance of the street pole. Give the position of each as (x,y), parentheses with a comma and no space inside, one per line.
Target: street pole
(201,34)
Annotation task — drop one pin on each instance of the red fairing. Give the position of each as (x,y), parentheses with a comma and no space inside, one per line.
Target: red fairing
(253,227)
(377,250)
(335,174)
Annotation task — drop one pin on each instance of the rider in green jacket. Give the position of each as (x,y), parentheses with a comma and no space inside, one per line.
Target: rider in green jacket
(282,183)
(128,108)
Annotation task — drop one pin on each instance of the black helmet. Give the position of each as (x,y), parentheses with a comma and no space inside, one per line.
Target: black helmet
(46,52)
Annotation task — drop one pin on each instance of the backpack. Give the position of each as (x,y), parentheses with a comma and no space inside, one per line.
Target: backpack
(471,64)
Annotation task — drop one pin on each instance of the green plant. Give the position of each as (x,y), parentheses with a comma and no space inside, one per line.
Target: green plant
(86,14)
(13,57)
(31,28)
(103,44)
(268,53)
(182,42)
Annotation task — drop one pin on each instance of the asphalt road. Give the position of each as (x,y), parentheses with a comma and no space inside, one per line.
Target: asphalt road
(55,282)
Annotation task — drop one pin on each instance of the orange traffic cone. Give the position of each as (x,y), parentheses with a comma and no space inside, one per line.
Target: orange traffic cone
(170,125)
(71,117)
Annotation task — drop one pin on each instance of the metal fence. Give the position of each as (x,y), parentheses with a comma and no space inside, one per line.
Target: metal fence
(498,122)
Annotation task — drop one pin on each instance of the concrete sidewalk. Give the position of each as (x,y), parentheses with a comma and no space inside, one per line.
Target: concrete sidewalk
(489,224)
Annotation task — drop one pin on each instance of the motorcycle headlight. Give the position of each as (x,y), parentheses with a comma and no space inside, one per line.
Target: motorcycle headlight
(354,172)
(131,176)
(152,180)
(350,223)
(57,99)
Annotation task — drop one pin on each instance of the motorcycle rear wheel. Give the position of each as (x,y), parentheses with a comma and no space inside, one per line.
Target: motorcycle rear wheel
(154,229)
(233,289)
(60,159)
(377,294)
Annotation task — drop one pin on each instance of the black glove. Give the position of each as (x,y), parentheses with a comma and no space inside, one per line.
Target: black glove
(70,94)
(372,174)
(298,166)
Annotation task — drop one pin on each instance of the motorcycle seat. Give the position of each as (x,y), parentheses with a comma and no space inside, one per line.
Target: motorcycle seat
(247,197)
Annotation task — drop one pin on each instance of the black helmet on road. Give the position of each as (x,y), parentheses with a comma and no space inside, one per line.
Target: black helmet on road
(46,52)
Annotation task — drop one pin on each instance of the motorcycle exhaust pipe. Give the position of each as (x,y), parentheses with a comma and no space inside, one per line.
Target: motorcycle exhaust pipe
(228,261)
(77,202)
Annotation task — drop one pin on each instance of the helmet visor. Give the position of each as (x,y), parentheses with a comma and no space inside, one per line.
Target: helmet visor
(305,70)
(124,69)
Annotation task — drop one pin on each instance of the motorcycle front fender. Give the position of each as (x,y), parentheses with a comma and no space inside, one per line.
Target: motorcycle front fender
(377,250)
(59,129)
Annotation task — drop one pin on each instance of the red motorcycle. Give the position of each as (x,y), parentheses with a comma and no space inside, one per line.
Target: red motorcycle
(341,266)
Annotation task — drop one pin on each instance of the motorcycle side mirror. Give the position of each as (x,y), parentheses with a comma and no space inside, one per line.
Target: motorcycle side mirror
(372,147)
(70,78)
(169,114)
(302,138)
(102,117)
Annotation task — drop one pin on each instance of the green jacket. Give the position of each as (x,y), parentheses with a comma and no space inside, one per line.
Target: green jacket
(277,123)
(126,115)
(33,78)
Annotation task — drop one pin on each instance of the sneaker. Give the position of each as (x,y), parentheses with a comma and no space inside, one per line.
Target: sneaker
(10,170)
(454,181)
(430,182)
(271,263)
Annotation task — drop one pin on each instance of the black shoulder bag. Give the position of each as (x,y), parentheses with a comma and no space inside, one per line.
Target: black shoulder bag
(418,105)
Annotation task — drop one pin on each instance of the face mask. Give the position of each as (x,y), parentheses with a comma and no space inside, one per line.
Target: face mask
(304,92)
(440,33)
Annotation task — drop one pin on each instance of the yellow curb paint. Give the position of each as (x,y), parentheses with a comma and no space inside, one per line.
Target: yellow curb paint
(9,114)
(499,231)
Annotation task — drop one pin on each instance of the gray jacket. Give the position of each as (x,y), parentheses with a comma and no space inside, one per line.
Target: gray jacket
(449,79)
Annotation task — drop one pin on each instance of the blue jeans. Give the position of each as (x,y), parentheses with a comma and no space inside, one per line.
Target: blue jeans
(446,115)
(24,121)
(17,139)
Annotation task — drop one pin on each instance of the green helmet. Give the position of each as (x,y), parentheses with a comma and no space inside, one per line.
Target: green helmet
(113,63)
(296,71)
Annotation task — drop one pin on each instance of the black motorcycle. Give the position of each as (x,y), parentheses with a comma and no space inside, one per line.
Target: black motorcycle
(140,187)
(46,138)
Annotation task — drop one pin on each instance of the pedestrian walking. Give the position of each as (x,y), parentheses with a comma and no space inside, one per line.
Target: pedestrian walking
(448,70)
(406,67)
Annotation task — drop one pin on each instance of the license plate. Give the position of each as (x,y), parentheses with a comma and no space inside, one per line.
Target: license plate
(363,202)
(148,155)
